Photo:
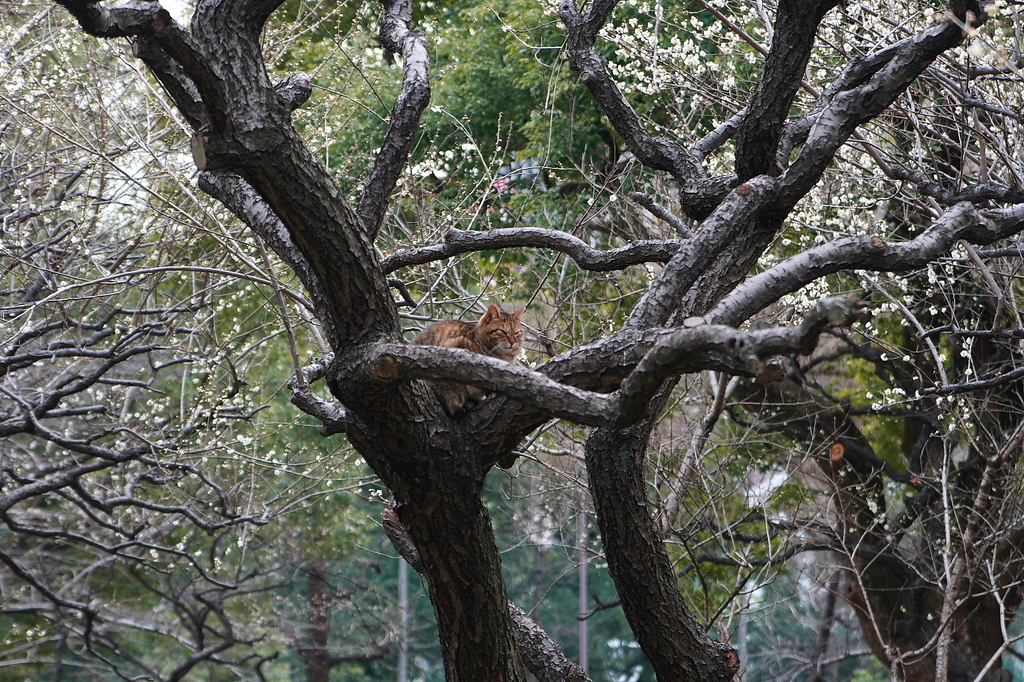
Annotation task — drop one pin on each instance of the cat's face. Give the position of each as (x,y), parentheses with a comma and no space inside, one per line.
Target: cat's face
(501,333)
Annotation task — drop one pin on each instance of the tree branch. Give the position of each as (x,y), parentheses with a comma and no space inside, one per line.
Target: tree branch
(757,137)
(150,22)
(465,241)
(178,85)
(245,127)
(699,194)
(719,136)
(659,211)
(129,18)
(677,351)
(964,221)
(294,90)
(241,199)
(988,191)
(849,108)
(718,232)
(330,413)
(396,36)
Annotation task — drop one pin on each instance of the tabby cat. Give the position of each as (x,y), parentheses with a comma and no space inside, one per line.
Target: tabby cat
(497,333)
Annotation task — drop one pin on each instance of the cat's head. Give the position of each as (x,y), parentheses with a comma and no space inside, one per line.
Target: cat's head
(501,333)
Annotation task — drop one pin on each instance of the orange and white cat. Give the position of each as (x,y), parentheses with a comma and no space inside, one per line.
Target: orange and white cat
(496,333)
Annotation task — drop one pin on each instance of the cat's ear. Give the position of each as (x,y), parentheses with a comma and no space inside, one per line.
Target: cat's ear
(517,315)
(491,313)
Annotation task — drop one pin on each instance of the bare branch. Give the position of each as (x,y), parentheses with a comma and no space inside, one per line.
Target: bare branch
(661,212)
(465,241)
(27,576)
(328,412)
(675,352)
(699,194)
(1000,379)
(988,191)
(963,221)
(776,559)
(397,36)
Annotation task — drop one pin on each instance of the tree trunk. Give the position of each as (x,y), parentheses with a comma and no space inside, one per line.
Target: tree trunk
(825,627)
(318,658)
(452,530)
(673,640)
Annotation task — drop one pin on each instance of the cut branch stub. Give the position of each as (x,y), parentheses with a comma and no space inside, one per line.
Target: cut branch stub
(387,367)
(138,17)
(294,90)
(835,453)
(198,146)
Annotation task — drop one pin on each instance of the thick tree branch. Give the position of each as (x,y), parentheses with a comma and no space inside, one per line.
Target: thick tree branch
(676,644)
(129,18)
(465,241)
(718,232)
(757,138)
(963,221)
(178,85)
(256,12)
(541,654)
(240,198)
(699,194)
(247,130)
(675,352)
(849,108)
(149,21)
(396,36)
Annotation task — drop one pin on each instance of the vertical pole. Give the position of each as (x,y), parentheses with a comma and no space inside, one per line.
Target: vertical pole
(403,626)
(741,635)
(581,538)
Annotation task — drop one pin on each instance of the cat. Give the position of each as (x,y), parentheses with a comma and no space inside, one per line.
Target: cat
(496,333)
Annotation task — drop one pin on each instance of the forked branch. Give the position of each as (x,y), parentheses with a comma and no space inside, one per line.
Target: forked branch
(699,194)
(675,352)
(397,36)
